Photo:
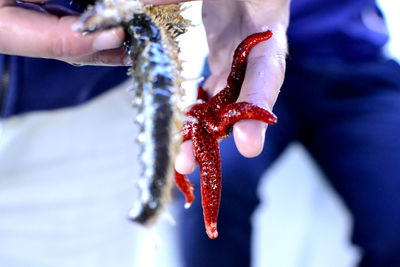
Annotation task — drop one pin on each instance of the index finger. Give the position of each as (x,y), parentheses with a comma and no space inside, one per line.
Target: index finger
(263,80)
(35,34)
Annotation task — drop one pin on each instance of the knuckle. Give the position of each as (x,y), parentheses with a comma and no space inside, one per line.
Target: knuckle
(60,47)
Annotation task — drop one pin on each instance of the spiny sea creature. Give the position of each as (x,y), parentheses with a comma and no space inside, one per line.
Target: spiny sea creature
(211,121)
(151,44)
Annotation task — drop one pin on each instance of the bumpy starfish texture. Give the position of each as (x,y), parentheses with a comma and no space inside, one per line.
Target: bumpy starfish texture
(211,121)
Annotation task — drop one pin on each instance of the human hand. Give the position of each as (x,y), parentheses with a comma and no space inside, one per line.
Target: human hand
(227,23)
(48,34)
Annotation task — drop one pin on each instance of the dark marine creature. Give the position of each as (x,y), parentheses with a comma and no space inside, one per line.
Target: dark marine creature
(151,44)
(213,120)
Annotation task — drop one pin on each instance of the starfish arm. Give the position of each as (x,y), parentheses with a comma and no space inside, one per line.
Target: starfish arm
(207,154)
(235,79)
(235,112)
(210,121)
(239,62)
(186,187)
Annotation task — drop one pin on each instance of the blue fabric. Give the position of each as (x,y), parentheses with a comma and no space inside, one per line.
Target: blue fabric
(42,84)
(339,29)
(347,115)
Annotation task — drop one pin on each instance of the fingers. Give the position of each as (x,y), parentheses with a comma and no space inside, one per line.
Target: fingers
(185,162)
(36,34)
(264,73)
(263,80)
(113,57)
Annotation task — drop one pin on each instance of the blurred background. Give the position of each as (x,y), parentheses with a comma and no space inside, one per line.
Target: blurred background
(67,176)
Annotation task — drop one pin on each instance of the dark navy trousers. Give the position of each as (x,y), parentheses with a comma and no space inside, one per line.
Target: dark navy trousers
(347,115)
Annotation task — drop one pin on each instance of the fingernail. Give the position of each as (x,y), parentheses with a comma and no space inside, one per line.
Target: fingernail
(249,137)
(182,165)
(107,40)
(127,61)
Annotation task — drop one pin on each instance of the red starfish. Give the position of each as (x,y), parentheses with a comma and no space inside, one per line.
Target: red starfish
(212,121)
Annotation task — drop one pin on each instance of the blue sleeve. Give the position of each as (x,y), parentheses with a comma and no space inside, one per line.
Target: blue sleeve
(30,84)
